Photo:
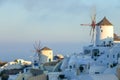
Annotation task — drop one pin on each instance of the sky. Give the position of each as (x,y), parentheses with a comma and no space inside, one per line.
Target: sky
(56,23)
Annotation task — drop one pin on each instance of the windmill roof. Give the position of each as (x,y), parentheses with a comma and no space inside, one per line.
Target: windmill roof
(46,48)
(116,37)
(104,21)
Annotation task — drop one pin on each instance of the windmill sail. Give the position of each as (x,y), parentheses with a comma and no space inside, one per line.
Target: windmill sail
(92,25)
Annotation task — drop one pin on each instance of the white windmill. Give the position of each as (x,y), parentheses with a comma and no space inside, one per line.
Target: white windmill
(102,32)
(104,35)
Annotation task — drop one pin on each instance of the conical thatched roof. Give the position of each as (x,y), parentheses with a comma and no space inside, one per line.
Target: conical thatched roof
(46,48)
(104,21)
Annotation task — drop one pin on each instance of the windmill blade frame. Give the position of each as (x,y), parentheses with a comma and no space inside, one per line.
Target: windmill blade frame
(92,25)
(37,47)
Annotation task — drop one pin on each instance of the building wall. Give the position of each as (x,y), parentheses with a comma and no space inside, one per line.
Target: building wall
(39,77)
(104,33)
(46,56)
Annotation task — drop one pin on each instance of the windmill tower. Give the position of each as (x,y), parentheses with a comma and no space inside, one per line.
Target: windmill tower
(46,55)
(104,33)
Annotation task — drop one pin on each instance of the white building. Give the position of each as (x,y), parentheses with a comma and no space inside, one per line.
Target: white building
(97,62)
(104,33)
(45,55)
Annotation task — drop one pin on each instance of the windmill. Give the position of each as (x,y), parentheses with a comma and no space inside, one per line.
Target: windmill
(92,25)
(37,56)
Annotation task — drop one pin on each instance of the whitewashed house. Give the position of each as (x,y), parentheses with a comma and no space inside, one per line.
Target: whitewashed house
(45,55)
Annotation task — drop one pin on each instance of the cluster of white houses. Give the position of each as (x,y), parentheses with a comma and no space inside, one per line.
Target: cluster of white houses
(99,61)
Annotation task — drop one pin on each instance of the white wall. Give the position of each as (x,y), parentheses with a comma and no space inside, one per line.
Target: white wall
(104,33)
(45,56)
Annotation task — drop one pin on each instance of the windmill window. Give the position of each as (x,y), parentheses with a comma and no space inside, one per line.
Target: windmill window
(101,30)
(107,56)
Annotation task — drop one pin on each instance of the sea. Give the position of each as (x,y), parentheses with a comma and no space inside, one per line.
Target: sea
(26,51)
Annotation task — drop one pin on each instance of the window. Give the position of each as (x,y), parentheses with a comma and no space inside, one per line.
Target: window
(113,56)
(70,67)
(101,30)
(97,72)
(49,60)
(110,42)
(81,68)
(118,55)
(95,52)
(23,78)
(104,43)
(87,51)
(107,56)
